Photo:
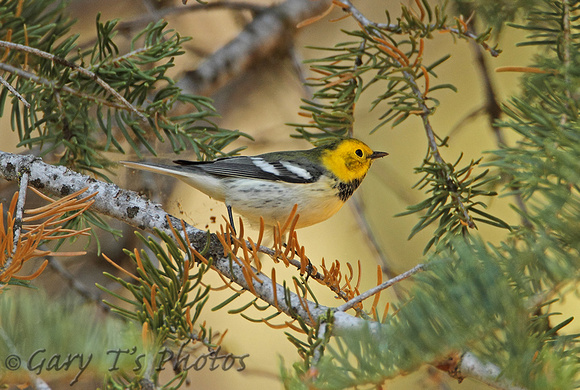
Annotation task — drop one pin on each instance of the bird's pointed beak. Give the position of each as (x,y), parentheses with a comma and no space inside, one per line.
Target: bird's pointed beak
(376,155)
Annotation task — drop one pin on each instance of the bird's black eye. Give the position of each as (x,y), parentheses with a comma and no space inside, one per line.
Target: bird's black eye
(358,152)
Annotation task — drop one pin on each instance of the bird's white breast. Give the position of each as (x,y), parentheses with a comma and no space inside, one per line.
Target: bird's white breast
(274,200)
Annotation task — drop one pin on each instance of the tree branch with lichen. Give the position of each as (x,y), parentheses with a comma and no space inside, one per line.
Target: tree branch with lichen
(129,207)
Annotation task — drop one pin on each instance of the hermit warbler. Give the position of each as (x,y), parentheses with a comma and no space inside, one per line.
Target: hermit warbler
(319,181)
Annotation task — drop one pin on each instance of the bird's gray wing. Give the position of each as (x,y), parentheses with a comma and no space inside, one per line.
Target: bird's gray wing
(291,171)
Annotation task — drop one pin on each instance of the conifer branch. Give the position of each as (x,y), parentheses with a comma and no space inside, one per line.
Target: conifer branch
(23,179)
(7,85)
(129,207)
(53,85)
(80,69)
(383,286)
(347,6)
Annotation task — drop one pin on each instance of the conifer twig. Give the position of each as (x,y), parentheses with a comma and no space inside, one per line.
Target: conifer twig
(80,69)
(386,284)
(17,219)
(7,85)
(347,6)
(51,84)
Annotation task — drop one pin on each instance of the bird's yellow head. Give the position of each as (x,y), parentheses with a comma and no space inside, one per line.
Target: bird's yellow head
(349,159)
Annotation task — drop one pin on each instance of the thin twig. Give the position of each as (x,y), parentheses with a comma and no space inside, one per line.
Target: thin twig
(381,287)
(23,178)
(81,70)
(13,91)
(53,85)
(395,28)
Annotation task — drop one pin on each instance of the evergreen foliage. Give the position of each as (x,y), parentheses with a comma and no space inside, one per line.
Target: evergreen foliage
(168,301)
(24,332)
(85,98)
(493,301)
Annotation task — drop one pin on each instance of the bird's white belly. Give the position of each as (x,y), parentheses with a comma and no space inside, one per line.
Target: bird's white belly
(274,200)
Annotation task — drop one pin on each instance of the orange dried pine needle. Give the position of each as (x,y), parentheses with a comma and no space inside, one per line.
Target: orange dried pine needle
(294,327)
(419,55)
(35,274)
(227,283)
(386,45)
(148,308)
(273,326)
(69,199)
(176,234)
(346,15)
(378,294)
(145,336)
(387,306)
(198,255)
(346,77)
(290,220)
(524,69)
(421,9)
(426,75)
(255,255)
(315,18)
(220,341)
(14,255)
(248,279)
(339,4)
(261,233)
(119,267)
